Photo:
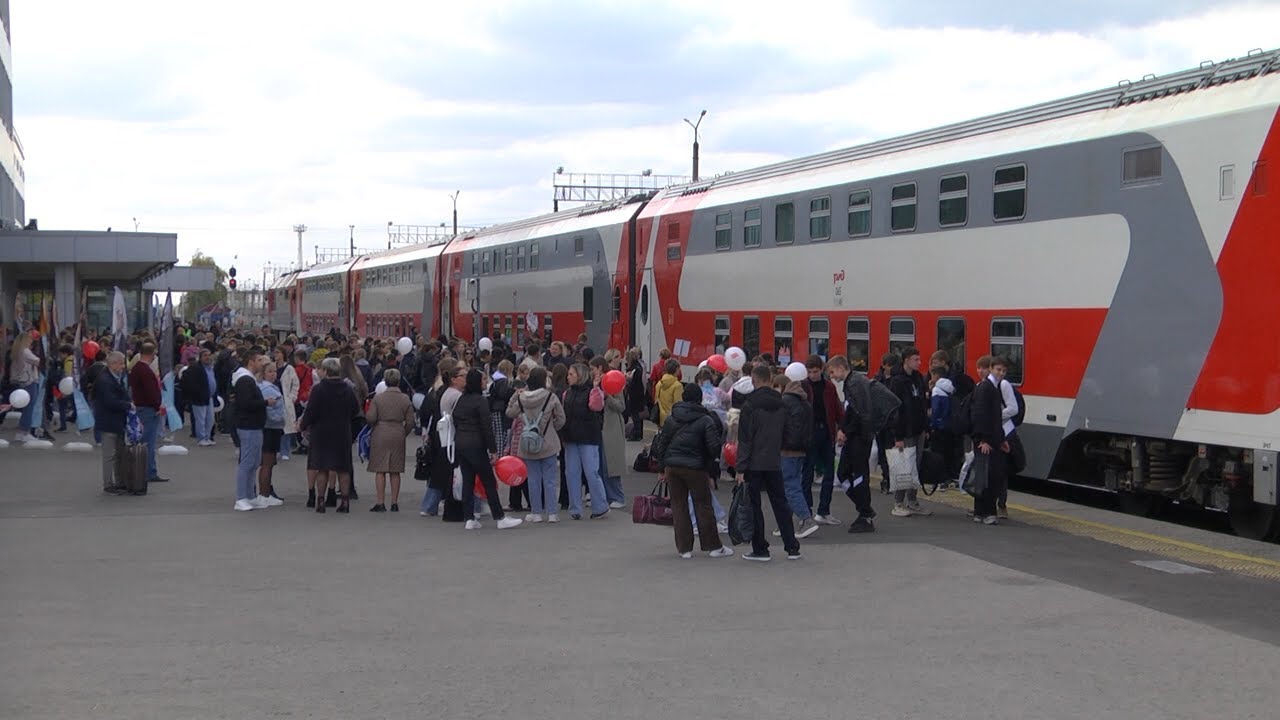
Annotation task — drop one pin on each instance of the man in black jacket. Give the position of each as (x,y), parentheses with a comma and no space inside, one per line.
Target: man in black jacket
(688,444)
(111,405)
(989,443)
(911,424)
(760,460)
(856,433)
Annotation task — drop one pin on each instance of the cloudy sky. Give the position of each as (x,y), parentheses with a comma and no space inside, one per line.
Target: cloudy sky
(230,122)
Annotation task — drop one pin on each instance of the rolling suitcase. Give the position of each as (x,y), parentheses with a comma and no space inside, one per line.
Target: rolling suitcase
(135,469)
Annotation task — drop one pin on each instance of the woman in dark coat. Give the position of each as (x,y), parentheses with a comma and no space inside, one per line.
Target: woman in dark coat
(637,399)
(440,482)
(476,449)
(327,421)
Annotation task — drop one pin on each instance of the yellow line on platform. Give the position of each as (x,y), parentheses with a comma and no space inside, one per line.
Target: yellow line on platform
(1189,552)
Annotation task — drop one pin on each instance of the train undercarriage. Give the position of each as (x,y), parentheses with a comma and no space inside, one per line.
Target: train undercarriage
(1149,474)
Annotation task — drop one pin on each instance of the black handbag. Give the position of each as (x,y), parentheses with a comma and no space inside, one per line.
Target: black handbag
(422,463)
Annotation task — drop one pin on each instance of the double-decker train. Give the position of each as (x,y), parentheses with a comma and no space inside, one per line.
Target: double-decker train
(1116,246)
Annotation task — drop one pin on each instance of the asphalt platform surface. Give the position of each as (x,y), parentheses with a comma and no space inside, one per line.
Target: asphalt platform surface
(174,606)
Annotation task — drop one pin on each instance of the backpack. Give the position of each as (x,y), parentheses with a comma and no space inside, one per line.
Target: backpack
(446,432)
(884,403)
(1022,407)
(961,420)
(531,439)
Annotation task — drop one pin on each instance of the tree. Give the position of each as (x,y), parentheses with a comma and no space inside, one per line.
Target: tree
(193,301)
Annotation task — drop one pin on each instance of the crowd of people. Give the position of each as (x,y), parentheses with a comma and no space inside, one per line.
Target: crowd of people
(763,425)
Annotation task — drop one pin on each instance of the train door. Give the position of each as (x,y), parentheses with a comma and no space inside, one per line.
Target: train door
(645,316)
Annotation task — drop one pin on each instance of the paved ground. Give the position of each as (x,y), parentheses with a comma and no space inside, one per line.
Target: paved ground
(173,606)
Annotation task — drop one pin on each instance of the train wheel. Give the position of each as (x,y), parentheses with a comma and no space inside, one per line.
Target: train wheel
(1143,504)
(1252,520)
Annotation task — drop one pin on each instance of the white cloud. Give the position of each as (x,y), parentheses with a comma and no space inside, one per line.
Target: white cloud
(230,125)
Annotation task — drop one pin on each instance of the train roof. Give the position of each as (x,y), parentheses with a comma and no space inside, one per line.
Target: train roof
(403,254)
(1126,94)
(284,280)
(557,223)
(337,267)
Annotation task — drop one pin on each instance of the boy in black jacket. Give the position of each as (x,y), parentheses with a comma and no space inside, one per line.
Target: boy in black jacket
(760,460)
(250,419)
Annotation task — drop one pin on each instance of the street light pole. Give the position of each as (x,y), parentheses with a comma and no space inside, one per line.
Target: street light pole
(353,240)
(454,197)
(300,229)
(695,125)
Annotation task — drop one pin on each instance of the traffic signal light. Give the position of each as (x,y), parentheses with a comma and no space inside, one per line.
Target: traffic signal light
(233,283)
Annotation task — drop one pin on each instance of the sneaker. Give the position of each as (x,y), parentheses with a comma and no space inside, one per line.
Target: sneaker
(725,551)
(826,519)
(990,520)
(553,518)
(597,516)
(807,527)
(918,509)
(756,558)
(472,525)
(533,518)
(285,458)
(1002,512)
(259,503)
(722,526)
(862,525)
(23,437)
(507,523)
(978,519)
(616,505)
(270,501)
(793,554)
(686,555)
(900,511)
(203,443)
(244,506)
(575,516)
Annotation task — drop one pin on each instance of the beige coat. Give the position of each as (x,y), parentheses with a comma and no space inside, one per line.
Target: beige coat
(391,417)
(290,386)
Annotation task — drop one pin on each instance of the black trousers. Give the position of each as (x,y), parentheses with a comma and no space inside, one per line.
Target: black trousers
(997,469)
(770,483)
(884,441)
(855,462)
(475,461)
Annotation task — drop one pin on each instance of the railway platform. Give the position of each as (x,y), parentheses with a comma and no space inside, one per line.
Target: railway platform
(174,606)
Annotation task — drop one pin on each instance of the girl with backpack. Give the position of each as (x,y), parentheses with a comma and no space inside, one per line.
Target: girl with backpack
(539,416)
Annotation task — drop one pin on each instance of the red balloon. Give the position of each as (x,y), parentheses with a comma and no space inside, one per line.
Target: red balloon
(718,363)
(511,470)
(89,349)
(731,454)
(613,382)
(479,489)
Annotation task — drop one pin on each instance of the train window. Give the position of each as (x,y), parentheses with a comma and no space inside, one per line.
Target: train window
(547,334)
(724,231)
(782,340)
(1260,178)
(617,303)
(506,259)
(857,343)
(722,333)
(819,337)
(484,263)
(533,256)
(673,252)
(859,213)
(953,201)
(1226,182)
(484,326)
(751,336)
(784,224)
(588,303)
(902,334)
(1007,342)
(820,218)
(902,208)
(751,227)
(1143,164)
(951,339)
(520,258)
(1011,193)
(644,305)
(579,245)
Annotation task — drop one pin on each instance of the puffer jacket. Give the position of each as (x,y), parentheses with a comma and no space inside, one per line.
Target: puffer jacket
(584,415)
(472,426)
(797,433)
(760,431)
(689,439)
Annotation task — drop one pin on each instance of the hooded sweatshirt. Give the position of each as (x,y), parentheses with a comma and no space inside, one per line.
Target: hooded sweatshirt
(251,407)
(531,402)
(940,404)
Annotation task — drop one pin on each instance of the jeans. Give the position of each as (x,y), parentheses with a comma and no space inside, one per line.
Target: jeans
(821,459)
(581,458)
(113,456)
(691,497)
(431,501)
(770,483)
(202,419)
(247,469)
(793,486)
(65,408)
(150,429)
(28,412)
(475,462)
(544,481)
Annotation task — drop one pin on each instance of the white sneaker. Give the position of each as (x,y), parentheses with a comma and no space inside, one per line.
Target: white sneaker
(270,501)
(826,519)
(507,523)
(686,556)
(553,518)
(244,506)
(616,505)
(23,437)
(472,525)
(260,503)
(725,551)
(900,511)
(533,518)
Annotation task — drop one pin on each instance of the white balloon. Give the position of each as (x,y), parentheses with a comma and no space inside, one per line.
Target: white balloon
(418,399)
(796,372)
(67,386)
(404,345)
(735,358)
(702,364)
(19,399)
(485,344)
(382,387)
